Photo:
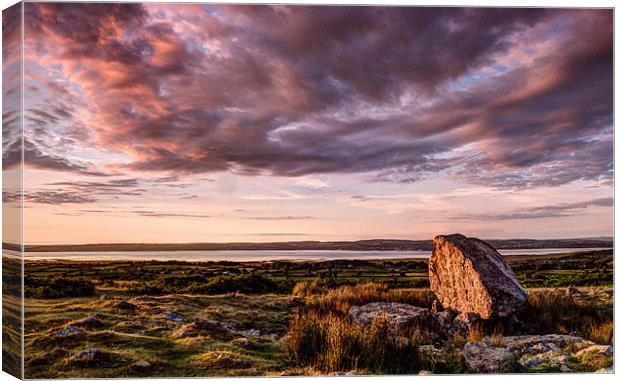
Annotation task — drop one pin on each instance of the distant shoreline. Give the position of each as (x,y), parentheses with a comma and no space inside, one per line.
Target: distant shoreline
(362,245)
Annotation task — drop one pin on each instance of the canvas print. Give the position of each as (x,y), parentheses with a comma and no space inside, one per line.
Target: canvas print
(196,190)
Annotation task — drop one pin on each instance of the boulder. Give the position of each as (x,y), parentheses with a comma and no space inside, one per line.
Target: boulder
(484,358)
(402,316)
(464,324)
(469,275)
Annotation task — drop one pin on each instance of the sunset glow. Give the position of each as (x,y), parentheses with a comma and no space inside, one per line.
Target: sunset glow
(216,123)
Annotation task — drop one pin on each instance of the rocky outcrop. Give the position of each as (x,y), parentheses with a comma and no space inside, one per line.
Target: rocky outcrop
(538,353)
(402,316)
(469,275)
(484,358)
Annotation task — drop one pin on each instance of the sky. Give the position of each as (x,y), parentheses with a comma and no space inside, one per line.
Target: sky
(216,123)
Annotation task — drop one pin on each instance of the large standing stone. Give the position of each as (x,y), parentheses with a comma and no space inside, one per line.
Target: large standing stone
(469,275)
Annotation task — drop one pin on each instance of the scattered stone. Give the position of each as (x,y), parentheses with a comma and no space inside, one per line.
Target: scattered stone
(469,275)
(67,331)
(87,355)
(402,316)
(96,357)
(89,322)
(254,332)
(141,366)
(174,317)
(484,358)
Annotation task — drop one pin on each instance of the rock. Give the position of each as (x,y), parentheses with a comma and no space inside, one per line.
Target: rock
(606,350)
(96,358)
(105,297)
(546,361)
(402,316)
(464,324)
(425,373)
(174,317)
(141,366)
(67,331)
(445,319)
(89,322)
(537,343)
(484,358)
(89,354)
(469,275)
(556,353)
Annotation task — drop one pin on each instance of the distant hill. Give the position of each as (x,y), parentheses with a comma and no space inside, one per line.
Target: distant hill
(363,245)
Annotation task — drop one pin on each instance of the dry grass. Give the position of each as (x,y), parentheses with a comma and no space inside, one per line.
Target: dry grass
(323,337)
(343,298)
(602,333)
(555,312)
(331,343)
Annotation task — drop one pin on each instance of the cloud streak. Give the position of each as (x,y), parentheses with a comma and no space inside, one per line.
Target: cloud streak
(548,211)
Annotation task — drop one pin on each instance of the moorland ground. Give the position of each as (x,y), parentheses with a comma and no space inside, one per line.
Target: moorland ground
(174,318)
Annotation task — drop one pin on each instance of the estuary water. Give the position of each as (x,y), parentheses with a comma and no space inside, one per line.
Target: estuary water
(261,255)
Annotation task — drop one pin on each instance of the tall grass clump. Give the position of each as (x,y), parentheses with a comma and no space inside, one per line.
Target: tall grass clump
(556,312)
(329,342)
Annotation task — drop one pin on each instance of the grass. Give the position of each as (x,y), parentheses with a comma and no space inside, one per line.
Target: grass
(288,318)
(329,342)
(552,311)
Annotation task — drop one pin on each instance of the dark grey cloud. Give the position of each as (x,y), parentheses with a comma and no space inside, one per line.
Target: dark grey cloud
(54,197)
(291,91)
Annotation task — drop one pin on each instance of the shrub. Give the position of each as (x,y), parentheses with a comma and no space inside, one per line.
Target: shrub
(58,288)
(193,284)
